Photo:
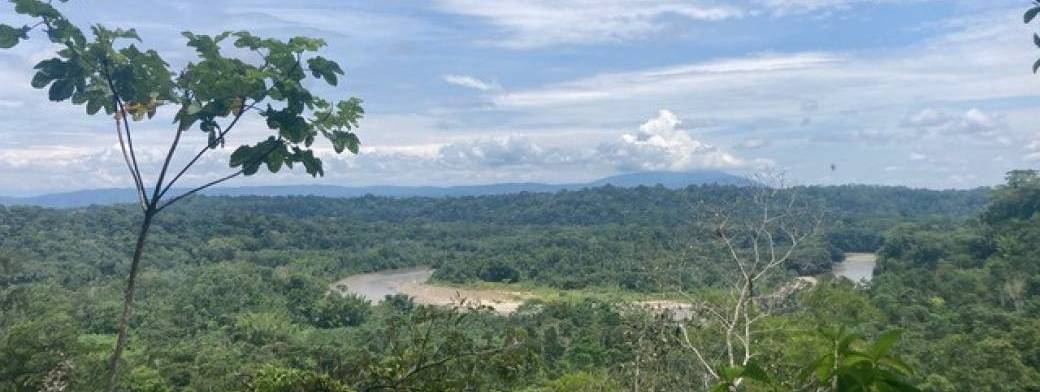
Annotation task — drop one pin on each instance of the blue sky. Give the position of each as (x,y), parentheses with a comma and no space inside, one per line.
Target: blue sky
(921,93)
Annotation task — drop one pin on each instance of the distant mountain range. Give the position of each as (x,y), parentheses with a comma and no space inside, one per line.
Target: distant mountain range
(672,180)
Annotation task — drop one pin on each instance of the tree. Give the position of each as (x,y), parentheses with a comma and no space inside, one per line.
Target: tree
(758,234)
(275,379)
(109,73)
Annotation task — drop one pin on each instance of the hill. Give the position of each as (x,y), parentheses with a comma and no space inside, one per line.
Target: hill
(671,180)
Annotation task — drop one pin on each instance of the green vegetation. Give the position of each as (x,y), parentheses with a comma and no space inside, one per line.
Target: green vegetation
(109,73)
(235,293)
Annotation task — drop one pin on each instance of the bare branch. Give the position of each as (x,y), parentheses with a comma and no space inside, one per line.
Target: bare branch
(697,352)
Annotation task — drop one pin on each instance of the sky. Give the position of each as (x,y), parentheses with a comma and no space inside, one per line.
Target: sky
(935,94)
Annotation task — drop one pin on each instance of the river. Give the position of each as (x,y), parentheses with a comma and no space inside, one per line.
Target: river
(857,266)
(377,285)
(413,283)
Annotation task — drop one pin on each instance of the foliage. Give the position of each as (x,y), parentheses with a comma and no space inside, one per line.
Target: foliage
(239,284)
(275,379)
(109,72)
(851,364)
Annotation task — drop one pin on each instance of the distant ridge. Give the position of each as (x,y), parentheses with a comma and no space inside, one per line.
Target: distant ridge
(672,180)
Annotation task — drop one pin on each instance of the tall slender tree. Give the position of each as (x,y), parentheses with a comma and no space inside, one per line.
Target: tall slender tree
(109,74)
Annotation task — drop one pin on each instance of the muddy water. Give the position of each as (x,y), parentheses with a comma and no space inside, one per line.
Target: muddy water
(377,285)
(857,266)
(412,282)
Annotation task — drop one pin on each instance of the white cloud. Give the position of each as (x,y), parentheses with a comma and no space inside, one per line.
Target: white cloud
(719,78)
(917,157)
(539,23)
(939,122)
(470,82)
(661,144)
(1033,150)
(979,59)
(10,104)
(352,21)
(752,143)
(510,150)
(785,7)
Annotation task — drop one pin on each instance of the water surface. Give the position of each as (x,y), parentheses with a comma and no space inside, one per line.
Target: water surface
(857,266)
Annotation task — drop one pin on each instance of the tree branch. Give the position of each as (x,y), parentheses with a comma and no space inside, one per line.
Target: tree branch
(196,190)
(220,180)
(686,341)
(138,186)
(135,170)
(165,166)
(219,139)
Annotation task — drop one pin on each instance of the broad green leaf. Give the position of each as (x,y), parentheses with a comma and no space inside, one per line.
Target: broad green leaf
(897,365)
(93,106)
(353,143)
(1031,13)
(251,168)
(241,155)
(730,373)
(10,35)
(275,161)
(885,342)
(325,69)
(35,8)
(61,89)
(848,340)
(824,369)
(855,359)
(41,79)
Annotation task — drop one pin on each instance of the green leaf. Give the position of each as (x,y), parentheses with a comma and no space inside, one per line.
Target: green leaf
(241,155)
(1028,17)
(1036,66)
(275,160)
(730,373)
(353,143)
(94,105)
(897,365)
(323,68)
(61,90)
(35,8)
(193,109)
(885,342)
(823,369)
(720,387)
(1036,39)
(41,79)
(10,35)
(847,341)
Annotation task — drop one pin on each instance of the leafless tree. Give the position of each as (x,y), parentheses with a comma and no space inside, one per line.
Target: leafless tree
(757,232)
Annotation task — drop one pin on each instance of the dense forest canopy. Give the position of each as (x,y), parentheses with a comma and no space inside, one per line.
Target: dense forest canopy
(236,295)
(603,233)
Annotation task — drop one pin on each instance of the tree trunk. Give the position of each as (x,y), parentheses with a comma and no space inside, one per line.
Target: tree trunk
(128,299)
